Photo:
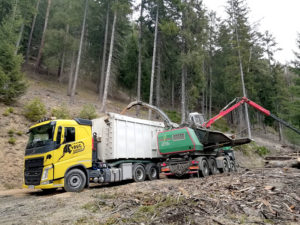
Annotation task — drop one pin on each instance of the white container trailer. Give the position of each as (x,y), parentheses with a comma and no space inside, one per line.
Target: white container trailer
(122,137)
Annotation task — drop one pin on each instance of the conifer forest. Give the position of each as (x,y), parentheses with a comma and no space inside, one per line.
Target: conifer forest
(174,54)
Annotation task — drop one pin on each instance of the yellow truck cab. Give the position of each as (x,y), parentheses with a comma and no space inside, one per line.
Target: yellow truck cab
(57,149)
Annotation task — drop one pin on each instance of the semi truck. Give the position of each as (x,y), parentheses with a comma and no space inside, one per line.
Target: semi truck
(74,153)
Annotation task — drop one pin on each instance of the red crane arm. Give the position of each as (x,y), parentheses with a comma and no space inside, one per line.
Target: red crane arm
(228,109)
(241,101)
(221,114)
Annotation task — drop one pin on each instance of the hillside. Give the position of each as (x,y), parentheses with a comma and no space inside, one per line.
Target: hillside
(254,195)
(54,95)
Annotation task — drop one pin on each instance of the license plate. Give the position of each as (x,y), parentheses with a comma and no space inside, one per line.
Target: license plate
(31,186)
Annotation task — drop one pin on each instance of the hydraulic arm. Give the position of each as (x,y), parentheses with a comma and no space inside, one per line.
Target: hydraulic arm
(164,116)
(238,102)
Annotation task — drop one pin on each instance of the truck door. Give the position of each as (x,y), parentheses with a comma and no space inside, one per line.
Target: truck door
(64,153)
(68,137)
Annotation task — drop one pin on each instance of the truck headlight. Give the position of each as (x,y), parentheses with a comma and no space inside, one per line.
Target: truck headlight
(45,173)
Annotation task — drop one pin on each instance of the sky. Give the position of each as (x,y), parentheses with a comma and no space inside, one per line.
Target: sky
(280,18)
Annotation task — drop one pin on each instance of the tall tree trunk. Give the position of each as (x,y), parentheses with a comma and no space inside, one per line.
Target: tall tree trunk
(62,64)
(203,91)
(280,132)
(79,53)
(70,82)
(206,101)
(242,77)
(19,38)
(183,77)
(250,58)
(15,10)
(153,62)
(173,94)
(38,61)
(31,31)
(140,57)
(158,76)
(102,74)
(210,90)
(108,69)
(203,102)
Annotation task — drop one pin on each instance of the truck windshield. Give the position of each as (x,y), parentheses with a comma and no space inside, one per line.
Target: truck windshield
(40,136)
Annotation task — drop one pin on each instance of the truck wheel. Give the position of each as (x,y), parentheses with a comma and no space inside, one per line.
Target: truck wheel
(213,166)
(152,171)
(204,168)
(232,166)
(139,173)
(225,168)
(75,180)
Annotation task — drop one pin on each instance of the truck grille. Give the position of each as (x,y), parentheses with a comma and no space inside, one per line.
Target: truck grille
(33,171)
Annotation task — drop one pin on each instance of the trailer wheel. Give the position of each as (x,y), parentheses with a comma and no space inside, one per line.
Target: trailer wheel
(139,173)
(232,166)
(204,168)
(75,180)
(152,171)
(213,166)
(225,168)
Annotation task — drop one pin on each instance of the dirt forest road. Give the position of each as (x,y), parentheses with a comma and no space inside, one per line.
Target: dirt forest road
(256,196)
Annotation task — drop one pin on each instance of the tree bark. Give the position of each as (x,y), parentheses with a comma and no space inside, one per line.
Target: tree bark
(280,132)
(15,10)
(102,74)
(242,78)
(158,76)
(19,38)
(140,57)
(79,53)
(38,61)
(153,62)
(203,102)
(70,83)
(104,99)
(210,90)
(31,31)
(62,64)
(172,94)
(183,108)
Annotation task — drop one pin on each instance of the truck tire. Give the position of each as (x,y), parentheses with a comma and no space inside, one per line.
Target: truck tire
(213,166)
(232,166)
(138,173)
(225,168)
(152,171)
(75,180)
(204,168)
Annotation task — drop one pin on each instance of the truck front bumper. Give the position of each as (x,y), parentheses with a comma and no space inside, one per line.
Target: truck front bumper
(47,184)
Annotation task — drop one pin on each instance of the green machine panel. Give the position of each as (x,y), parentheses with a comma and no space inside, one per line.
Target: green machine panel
(178,141)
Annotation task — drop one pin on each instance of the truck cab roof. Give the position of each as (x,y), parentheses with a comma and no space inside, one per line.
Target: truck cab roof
(68,122)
